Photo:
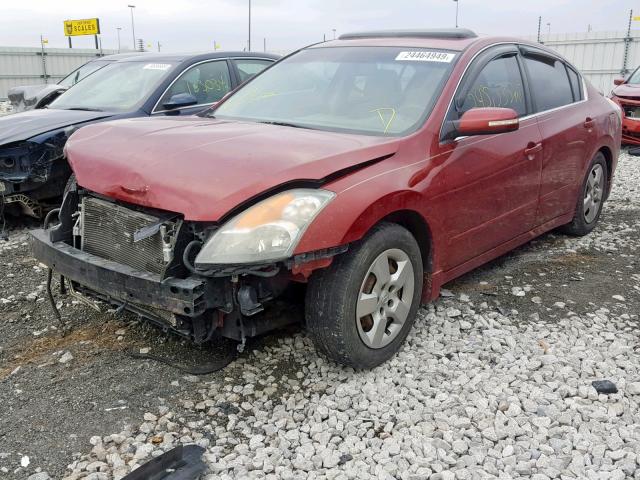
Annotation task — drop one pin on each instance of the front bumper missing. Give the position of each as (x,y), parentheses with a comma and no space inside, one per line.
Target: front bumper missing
(122,283)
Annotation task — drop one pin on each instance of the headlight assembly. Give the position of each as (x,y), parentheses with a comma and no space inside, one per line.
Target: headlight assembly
(267,231)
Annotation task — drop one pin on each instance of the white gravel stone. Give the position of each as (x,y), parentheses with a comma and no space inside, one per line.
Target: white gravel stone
(66,357)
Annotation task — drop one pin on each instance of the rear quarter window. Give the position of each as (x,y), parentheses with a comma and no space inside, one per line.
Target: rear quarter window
(549,82)
(576,84)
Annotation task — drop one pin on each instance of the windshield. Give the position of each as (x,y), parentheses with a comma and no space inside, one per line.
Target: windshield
(118,87)
(634,79)
(82,72)
(370,90)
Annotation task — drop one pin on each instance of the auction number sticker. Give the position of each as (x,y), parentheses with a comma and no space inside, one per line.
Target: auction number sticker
(424,56)
(157,66)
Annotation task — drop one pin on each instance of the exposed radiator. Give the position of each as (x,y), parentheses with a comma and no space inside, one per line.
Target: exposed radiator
(108,232)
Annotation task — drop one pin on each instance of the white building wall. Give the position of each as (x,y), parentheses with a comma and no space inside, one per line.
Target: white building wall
(24,66)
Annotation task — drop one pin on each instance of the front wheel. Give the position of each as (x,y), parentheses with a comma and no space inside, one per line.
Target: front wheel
(360,309)
(590,198)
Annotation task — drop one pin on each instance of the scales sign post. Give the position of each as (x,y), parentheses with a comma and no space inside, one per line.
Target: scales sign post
(87,26)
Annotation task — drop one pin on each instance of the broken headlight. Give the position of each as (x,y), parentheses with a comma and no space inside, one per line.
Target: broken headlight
(267,231)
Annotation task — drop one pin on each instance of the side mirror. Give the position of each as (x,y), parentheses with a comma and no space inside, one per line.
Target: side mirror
(618,81)
(180,100)
(486,121)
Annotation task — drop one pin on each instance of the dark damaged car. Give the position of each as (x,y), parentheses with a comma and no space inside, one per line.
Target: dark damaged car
(353,178)
(33,168)
(30,97)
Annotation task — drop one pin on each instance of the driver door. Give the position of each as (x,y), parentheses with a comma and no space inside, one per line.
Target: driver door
(492,181)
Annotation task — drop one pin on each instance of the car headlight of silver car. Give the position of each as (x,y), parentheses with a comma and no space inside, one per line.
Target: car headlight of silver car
(268,231)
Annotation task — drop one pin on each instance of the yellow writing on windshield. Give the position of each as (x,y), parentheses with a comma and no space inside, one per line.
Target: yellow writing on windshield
(388,112)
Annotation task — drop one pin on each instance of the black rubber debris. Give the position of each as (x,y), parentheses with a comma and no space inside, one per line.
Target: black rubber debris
(604,386)
(181,463)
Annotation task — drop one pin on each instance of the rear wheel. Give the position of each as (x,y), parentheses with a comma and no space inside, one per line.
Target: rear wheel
(361,308)
(590,199)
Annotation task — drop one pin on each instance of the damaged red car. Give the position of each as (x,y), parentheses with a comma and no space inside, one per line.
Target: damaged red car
(356,176)
(627,94)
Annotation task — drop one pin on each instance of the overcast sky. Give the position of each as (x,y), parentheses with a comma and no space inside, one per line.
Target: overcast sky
(193,25)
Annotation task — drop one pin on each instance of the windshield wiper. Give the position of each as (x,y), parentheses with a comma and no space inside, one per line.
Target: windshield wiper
(85,109)
(283,124)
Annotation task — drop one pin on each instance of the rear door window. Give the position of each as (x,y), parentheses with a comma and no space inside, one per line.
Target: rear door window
(499,84)
(247,68)
(549,82)
(208,82)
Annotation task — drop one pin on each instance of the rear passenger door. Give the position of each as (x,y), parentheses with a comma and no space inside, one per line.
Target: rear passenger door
(492,180)
(567,130)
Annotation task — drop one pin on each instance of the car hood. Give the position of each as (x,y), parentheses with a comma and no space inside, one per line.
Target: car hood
(27,96)
(24,125)
(204,168)
(627,90)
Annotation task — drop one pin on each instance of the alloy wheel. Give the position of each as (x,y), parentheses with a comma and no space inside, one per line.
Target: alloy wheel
(593,193)
(384,299)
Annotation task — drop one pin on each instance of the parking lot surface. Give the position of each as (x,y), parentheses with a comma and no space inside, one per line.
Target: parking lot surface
(495,379)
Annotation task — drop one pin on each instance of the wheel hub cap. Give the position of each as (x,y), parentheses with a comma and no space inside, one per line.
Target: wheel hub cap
(593,194)
(385,298)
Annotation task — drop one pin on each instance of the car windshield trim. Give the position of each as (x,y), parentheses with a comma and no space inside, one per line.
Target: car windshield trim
(384,115)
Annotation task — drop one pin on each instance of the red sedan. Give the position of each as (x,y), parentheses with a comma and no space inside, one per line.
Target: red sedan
(627,95)
(360,174)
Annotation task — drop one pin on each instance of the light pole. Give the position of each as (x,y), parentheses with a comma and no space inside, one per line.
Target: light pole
(334,33)
(548,29)
(118,29)
(133,28)
(249,43)
(457,3)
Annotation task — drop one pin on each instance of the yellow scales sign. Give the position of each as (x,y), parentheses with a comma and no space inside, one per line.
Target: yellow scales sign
(89,26)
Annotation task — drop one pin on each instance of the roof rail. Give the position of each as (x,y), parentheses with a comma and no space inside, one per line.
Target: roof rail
(452,33)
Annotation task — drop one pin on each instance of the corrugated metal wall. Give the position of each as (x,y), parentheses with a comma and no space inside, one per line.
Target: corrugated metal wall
(598,55)
(24,66)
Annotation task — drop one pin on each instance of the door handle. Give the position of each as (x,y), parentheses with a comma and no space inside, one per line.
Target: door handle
(589,123)
(532,149)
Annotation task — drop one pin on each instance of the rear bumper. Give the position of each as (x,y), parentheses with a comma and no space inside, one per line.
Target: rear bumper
(120,282)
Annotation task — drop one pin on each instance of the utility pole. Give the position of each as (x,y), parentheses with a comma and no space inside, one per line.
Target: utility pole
(133,27)
(627,44)
(457,3)
(249,43)
(265,44)
(159,46)
(539,27)
(548,28)
(118,29)
(44,62)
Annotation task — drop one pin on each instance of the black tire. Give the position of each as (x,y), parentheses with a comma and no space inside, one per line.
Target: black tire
(579,226)
(332,294)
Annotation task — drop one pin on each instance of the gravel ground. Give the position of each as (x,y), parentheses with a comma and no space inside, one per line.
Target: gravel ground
(494,380)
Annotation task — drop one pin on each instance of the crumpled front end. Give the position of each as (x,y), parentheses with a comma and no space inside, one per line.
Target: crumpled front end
(143,260)
(33,171)
(630,118)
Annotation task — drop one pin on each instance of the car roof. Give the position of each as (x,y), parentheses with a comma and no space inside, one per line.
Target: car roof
(189,57)
(454,39)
